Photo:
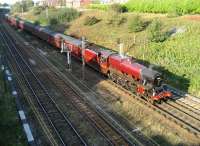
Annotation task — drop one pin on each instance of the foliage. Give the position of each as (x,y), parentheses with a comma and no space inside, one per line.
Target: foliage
(115,19)
(99,6)
(155,33)
(121,20)
(53,21)
(66,14)
(24,6)
(174,12)
(114,7)
(61,16)
(36,22)
(136,24)
(37,10)
(91,20)
(164,6)
(118,8)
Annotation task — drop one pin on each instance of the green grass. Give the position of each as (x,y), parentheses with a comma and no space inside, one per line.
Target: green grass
(178,7)
(164,6)
(11,132)
(99,6)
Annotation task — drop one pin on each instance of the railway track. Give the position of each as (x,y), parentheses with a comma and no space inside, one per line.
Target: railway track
(109,132)
(185,99)
(181,115)
(62,128)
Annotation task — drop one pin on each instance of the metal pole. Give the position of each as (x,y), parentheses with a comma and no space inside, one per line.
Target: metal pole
(69,49)
(83,50)
(83,60)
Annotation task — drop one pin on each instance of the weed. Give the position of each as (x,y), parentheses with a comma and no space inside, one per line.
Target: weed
(155,32)
(53,21)
(117,8)
(136,24)
(36,22)
(37,10)
(91,20)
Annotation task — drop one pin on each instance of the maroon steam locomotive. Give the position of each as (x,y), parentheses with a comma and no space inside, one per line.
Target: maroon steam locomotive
(123,70)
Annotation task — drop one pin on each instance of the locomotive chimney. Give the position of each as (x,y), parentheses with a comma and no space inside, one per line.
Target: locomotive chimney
(121,48)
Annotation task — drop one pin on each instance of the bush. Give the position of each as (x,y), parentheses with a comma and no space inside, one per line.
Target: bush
(122,20)
(118,8)
(115,19)
(155,33)
(174,11)
(37,10)
(136,24)
(62,15)
(36,22)
(65,14)
(24,5)
(91,20)
(53,21)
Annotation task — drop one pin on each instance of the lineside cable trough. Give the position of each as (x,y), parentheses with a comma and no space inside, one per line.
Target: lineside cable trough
(25,123)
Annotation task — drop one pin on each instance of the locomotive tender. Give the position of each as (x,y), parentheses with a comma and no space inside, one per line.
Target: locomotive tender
(123,70)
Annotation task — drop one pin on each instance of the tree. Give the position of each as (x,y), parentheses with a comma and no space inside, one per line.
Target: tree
(24,6)
(16,7)
(5,5)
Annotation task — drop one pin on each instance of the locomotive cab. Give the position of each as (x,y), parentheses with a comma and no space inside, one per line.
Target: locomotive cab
(103,60)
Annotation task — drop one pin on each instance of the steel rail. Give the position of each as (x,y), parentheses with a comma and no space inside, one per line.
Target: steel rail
(43,108)
(93,122)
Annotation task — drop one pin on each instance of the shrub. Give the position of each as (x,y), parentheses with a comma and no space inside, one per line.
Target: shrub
(66,14)
(118,8)
(155,33)
(174,11)
(53,21)
(91,20)
(37,10)
(62,15)
(136,24)
(122,20)
(36,22)
(24,5)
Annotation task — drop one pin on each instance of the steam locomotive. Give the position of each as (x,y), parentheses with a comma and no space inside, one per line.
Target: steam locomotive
(123,70)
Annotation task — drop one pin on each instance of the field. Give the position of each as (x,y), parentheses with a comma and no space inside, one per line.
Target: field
(164,6)
(178,7)
(177,57)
